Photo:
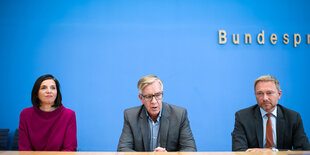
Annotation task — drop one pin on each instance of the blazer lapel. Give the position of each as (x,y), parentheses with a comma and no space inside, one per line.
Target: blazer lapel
(164,126)
(144,128)
(280,127)
(259,127)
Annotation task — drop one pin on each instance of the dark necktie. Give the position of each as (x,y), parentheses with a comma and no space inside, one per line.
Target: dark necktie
(269,136)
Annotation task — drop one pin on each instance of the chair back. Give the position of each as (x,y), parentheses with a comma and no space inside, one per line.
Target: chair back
(4,134)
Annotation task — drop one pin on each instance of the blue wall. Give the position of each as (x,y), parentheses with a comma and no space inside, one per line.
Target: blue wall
(99,50)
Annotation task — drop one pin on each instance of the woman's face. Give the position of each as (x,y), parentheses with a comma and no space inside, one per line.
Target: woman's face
(47,92)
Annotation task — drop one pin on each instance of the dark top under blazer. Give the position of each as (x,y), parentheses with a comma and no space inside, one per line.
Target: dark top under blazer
(174,131)
(248,131)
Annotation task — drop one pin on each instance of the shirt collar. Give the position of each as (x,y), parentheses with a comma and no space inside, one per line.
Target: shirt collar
(263,112)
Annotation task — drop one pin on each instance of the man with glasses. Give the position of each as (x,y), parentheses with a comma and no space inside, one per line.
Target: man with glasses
(155,125)
(268,126)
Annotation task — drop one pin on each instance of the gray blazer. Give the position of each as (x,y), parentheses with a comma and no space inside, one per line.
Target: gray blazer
(174,131)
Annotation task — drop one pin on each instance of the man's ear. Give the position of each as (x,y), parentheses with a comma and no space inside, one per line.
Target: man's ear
(280,93)
(140,97)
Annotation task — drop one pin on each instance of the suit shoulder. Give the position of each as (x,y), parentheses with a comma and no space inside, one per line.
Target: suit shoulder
(174,107)
(288,112)
(175,111)
(134,111)
(247,110)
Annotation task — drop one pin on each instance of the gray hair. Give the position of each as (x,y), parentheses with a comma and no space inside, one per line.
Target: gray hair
(146,80)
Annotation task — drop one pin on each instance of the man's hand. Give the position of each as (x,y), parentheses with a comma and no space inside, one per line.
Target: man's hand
(160,149)
(259,150)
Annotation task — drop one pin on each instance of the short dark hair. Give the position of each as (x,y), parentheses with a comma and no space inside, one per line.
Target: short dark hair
(35,90)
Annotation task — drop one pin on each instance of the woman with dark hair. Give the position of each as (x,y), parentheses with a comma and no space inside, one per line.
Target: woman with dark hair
(47,125)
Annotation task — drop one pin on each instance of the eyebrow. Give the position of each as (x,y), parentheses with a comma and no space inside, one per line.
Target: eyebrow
(46,85)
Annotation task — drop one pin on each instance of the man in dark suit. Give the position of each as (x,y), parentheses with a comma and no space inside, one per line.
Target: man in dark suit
(268,126)
(155,126)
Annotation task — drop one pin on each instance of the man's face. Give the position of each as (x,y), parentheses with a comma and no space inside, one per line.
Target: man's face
(267,95)
(152,98)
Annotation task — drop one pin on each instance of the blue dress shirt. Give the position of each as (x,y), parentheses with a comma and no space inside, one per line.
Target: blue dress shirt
(154,128)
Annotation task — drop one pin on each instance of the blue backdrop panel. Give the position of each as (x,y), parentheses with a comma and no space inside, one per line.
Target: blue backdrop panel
(98,50)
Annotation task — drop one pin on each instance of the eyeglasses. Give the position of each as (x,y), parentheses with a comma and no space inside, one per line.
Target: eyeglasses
(158,96)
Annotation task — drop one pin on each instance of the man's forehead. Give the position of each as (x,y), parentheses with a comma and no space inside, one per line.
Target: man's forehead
(265,85)
(152,88)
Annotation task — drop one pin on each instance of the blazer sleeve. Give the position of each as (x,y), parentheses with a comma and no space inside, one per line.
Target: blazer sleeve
(239,140)
(24,143)
(126,141)
(186,142)
(300,140)
(70,140)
